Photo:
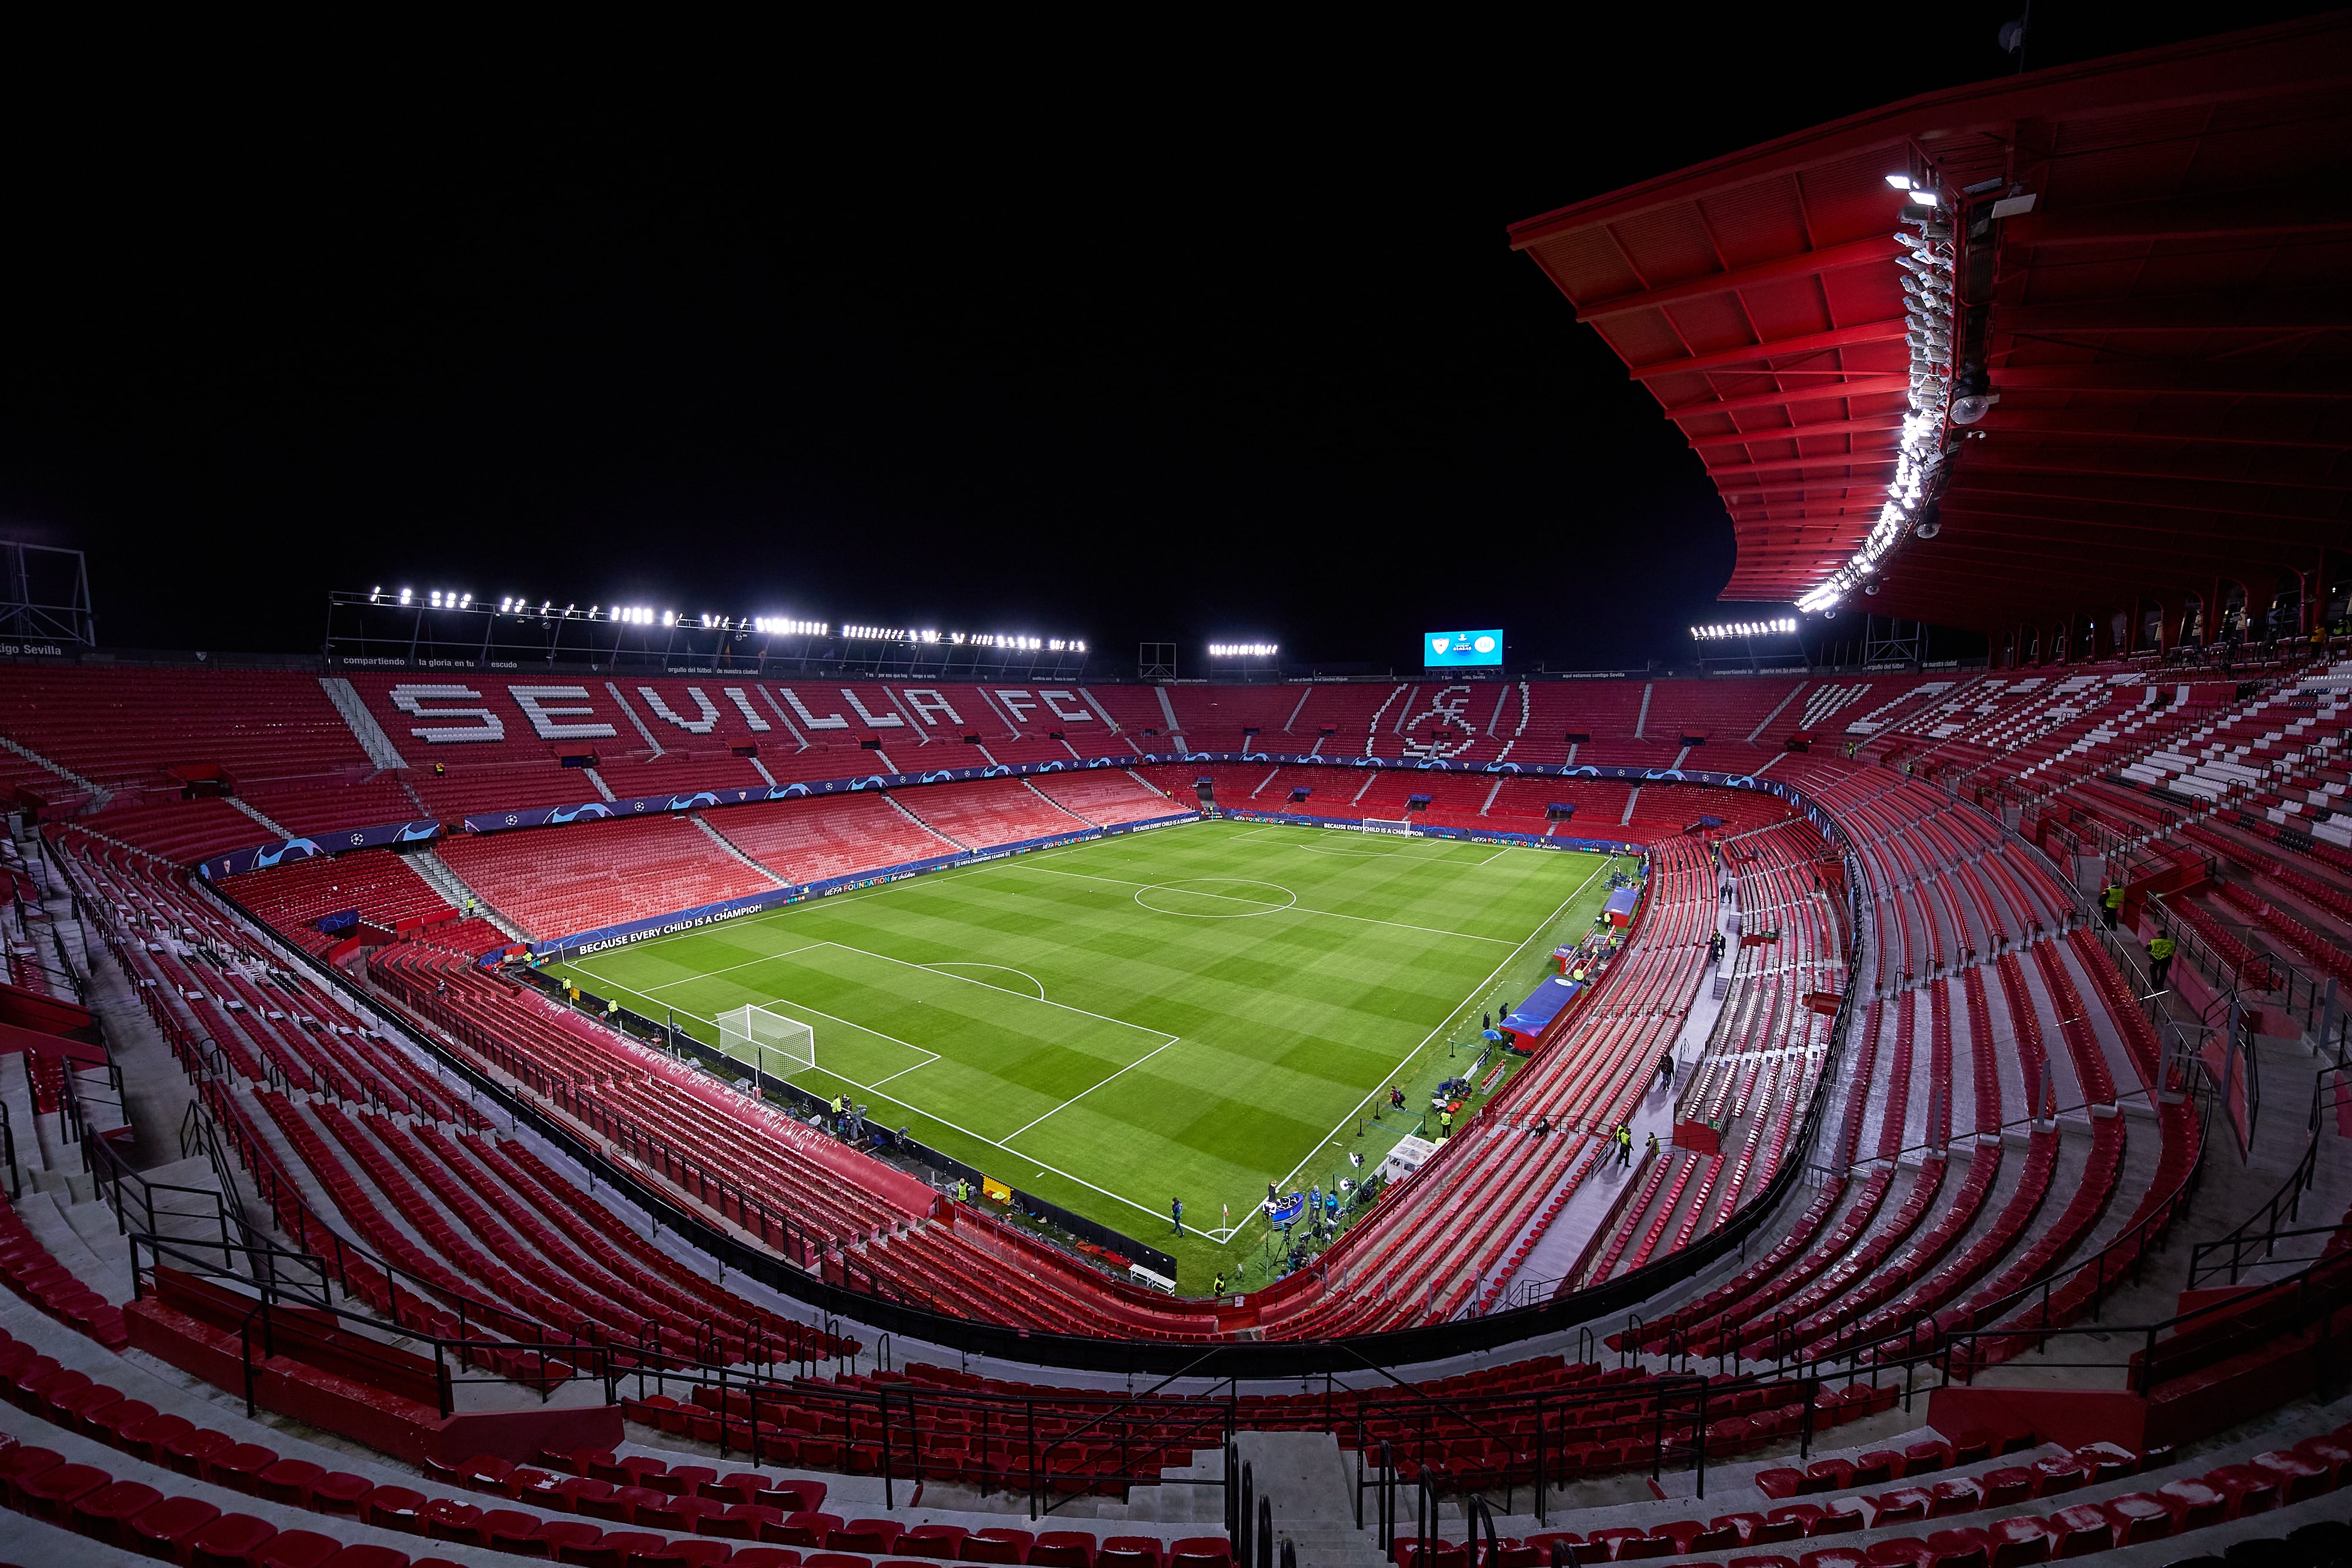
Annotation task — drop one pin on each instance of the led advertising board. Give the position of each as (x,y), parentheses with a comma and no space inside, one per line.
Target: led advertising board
(1451,649)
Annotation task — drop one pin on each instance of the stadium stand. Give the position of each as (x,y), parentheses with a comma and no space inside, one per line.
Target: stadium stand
(377,883)
(145,731)
(986,812)
(1950,1197)
(829,835)
(556,882)
(1106,795)
(1970,1239)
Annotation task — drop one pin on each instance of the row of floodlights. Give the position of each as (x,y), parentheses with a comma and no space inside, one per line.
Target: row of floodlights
(1928,310)
(767,625)
(1744,629)
(1244,649)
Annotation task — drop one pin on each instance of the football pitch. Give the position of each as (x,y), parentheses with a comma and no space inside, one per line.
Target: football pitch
(1190,1012)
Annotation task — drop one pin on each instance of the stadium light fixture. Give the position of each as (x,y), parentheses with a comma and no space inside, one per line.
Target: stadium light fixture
(1911,494)
(1244,649)
(1778,626)
(405,593)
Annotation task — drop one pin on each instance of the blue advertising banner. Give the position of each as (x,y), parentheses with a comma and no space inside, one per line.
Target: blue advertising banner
(262,857)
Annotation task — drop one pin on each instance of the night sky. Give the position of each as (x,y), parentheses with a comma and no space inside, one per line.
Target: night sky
(1103,334)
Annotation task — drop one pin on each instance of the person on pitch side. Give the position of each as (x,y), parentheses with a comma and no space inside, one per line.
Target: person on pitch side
(1445,1124)
(1218,1287)
(1176,1213)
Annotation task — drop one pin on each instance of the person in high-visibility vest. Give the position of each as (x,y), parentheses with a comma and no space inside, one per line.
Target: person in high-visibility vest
(2114,902)
(2160,949)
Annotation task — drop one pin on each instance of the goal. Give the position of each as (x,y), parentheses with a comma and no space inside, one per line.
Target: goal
(770,1041)
(1402,826)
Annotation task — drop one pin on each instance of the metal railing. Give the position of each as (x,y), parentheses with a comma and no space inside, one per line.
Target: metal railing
(2232,1253)
(284,1295)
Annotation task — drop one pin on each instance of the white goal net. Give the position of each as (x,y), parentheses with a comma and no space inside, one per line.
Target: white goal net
(768,1041)
(1402,826)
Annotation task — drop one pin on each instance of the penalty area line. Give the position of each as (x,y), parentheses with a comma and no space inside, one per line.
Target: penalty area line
(933,1115)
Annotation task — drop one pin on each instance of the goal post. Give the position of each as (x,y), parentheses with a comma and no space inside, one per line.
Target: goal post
(770,1041)
(1402,826)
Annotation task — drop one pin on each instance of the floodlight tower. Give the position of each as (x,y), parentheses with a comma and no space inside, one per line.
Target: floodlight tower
(1746,634)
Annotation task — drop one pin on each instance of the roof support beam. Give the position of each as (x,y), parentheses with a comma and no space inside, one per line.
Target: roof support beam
(1854,253)
(1890,329)
(1795,465)
(1795,431)
(1779,397)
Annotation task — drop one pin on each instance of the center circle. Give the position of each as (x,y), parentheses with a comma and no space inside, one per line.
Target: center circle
(1213,897)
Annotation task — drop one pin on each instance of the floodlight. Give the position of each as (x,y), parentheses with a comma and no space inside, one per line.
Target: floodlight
(1900,182)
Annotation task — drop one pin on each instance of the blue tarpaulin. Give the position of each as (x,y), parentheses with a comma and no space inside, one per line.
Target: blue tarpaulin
(1542,1006)
(1620,905)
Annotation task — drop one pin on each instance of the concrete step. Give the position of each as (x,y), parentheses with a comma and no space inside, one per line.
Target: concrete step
(46,1217)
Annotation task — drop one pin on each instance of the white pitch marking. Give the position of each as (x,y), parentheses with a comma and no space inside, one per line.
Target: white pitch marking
(1294,908)
(1433,1034)
(931,879)
(798,1007)
(1265,906)
(920,1111)
(1092,1087)
(974,964)
(727,968)
(968,981)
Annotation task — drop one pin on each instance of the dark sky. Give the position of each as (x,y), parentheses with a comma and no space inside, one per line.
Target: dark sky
(1107,334)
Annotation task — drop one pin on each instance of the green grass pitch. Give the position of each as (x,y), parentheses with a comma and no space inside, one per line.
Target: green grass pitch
(1190,1012)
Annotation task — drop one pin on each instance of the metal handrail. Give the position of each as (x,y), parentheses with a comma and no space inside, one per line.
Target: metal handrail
(2325,1094)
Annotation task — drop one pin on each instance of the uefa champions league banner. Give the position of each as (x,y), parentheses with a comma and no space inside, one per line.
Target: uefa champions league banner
(286,851)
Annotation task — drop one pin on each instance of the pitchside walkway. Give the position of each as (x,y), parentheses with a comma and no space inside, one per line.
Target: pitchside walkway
(1597,1201)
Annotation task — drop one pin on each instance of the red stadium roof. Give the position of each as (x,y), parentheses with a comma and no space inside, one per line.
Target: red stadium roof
(2166,330)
